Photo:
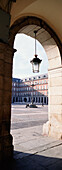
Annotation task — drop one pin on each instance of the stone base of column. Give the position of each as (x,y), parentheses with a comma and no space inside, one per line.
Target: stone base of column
(6,148)
(53,128)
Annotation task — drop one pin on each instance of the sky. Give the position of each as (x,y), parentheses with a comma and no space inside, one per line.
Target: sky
(25,46)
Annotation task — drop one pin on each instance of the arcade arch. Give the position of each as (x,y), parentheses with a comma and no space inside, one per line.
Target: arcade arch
(49,11)
(22,63)
(52,45)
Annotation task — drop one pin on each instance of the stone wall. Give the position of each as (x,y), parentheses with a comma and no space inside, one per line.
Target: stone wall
(6,56)
(54,126)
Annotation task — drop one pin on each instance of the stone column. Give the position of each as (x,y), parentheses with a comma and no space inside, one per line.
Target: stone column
(55,103)
(6,58)
(54,126)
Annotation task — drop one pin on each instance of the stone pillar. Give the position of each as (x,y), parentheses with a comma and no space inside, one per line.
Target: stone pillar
(55,103)
(54,126)
(6,58)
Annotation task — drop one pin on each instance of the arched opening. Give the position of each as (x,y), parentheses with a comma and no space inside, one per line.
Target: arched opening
(24,13)
(45,37)
(23,87)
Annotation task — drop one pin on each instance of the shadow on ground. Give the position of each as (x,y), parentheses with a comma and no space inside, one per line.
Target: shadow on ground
(26,161)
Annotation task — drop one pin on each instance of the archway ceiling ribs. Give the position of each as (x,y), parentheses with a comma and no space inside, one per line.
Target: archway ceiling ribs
(46,41)
(46,36)
(42,36)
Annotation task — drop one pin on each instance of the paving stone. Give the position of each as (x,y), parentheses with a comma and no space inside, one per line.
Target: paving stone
(32,150)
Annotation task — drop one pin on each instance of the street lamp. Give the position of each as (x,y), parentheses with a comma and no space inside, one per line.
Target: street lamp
(32,92)
(32,105)
(35,61)
(35,66)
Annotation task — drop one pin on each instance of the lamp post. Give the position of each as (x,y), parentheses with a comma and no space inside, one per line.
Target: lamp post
(32,92)
(35,67)
(35,61)
(32,105)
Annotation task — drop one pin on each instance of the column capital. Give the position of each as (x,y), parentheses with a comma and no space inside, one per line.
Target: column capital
(4,47)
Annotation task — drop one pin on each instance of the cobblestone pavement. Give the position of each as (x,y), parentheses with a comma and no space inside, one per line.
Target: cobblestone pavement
(32,150)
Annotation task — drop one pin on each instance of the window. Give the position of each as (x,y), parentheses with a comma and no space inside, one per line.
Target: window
(44,81)
(39,87)
(45,92)
(39,82)
(36,82)
(39,77)
(45,86)
(14,84)
(34,93)
(36,88)
(17,84)
(16,80)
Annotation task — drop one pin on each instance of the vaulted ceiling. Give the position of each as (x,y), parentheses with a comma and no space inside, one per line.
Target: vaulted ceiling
(48,10)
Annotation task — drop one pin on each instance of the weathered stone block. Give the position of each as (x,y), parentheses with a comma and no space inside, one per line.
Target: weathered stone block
(49,44)
(1,67)
(7,97)
(44,37)
(55,128)
(8,57)
(46,128)
(0,130)
(55,100)
(8,84)
(7,147)
(56,81)
(58,117)
(1,55)
(55,109)
(8,70)
(1,112)
(6,112)
(1,82)
(55,73)
(52,53)
(7,140)
(54,63)
(1,97)
(56,90)
(5,128)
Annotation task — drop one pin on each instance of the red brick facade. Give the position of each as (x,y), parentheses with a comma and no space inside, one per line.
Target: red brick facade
(34,87)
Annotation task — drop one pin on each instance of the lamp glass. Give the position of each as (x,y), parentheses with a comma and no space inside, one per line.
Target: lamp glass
(35,67)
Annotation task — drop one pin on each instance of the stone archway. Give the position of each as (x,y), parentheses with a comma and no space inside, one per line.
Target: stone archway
(52,46)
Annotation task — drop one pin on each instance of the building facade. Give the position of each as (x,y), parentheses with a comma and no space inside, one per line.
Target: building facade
(30,89)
